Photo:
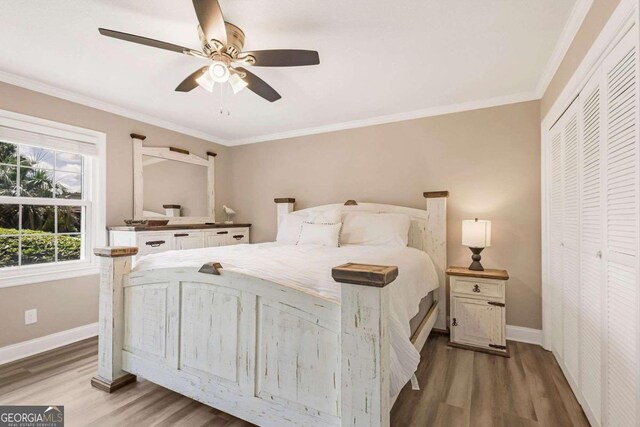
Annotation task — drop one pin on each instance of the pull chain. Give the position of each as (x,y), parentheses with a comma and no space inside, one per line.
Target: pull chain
(222,110)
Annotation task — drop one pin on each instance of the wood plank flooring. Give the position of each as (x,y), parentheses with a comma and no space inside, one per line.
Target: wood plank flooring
(458,388)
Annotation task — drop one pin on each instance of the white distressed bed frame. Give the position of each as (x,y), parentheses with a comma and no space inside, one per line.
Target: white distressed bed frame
(264,352)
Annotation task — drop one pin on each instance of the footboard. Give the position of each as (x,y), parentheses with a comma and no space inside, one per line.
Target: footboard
(267,353)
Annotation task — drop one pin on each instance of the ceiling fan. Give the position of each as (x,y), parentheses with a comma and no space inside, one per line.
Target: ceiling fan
(222,44)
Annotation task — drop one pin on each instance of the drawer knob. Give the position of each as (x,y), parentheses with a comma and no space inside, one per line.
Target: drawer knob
(476,288)
(454,322)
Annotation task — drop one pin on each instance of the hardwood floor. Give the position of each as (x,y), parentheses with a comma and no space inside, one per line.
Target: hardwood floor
(458,388)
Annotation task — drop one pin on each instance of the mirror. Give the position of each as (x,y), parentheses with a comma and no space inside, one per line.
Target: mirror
(165,177)
(170,182)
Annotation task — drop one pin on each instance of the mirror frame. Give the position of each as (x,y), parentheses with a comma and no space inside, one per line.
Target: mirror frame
(176,154)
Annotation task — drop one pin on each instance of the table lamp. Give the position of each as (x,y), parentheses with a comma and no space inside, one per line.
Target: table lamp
(476,234)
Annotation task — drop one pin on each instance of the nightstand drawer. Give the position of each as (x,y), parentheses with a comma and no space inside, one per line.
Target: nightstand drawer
(477,287)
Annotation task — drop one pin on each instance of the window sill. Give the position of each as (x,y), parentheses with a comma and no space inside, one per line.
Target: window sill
(39,274)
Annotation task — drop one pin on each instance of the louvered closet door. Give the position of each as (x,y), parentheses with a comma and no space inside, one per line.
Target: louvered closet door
(621,199)
(570,240)
(591,231)
(555,238)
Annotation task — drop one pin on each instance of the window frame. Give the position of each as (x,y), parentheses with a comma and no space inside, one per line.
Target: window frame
(94,202)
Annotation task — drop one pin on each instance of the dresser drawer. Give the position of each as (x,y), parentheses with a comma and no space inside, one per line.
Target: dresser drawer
(237,236)
(150,243)
(477,287)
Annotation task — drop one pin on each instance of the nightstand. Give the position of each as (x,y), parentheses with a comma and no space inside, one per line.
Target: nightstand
(477,301)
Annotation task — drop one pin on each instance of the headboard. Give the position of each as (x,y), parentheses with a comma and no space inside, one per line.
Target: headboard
(428,232)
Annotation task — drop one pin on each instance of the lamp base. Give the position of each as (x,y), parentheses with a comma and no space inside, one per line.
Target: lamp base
(475,265)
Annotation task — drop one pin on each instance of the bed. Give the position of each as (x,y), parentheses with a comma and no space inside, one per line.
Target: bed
(278,334)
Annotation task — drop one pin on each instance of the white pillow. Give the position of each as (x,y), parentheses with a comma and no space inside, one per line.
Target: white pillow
(330,216)
(289,229)
(320,234)
(376,229)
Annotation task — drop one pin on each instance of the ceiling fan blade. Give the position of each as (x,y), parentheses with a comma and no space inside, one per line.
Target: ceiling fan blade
(259,86)
(145,41)
(284,57)
(211,20)
(190,82)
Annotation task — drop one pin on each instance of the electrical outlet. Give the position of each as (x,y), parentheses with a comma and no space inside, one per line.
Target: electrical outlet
(30,316)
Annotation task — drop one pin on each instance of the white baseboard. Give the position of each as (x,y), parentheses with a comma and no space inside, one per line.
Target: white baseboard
(48,342)
(528,335)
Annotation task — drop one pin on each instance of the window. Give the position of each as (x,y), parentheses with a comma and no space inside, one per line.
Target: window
(49,188)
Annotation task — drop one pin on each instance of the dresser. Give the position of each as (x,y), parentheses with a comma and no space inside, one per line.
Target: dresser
(477,301)
(151,240)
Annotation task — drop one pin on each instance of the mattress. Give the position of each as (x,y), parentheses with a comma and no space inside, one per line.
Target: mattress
(308,268)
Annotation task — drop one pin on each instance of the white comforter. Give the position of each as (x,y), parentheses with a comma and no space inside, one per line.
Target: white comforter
(308,267)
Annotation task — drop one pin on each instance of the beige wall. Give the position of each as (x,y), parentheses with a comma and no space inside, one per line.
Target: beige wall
(488,159)
(591,27)
(70,303)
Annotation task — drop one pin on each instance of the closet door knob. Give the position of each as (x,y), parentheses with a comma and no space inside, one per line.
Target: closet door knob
(599,254)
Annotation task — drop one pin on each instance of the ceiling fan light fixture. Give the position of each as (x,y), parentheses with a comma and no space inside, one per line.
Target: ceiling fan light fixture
(206,82)
(219,72)
(237,84)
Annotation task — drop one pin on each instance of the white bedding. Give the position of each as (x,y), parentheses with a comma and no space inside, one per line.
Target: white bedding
(308,267)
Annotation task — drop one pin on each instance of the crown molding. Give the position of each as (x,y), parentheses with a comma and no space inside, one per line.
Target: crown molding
(571,27)
(37,86)
(391,118)
(47,89)
(623,18)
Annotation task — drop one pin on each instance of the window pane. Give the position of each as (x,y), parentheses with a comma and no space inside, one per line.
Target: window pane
(8,153)
(68,185)
(69,219)
(68,162)
(36,182)
(8,175)
(9,219)
(36,157)
(38,219)
(38,248)
(8,251)
(69,246)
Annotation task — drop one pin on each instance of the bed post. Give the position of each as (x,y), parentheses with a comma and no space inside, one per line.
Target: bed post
(364,343)
(115,263)
(285,206)
(138,198)
(436,246)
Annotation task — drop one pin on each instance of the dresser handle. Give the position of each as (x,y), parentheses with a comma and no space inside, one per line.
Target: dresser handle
(497,304)
(181,235)
(455,322)
(223,232)
(155,243)
(238,236)
(476,288)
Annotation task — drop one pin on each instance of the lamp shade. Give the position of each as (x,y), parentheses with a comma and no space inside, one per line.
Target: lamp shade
(476,233)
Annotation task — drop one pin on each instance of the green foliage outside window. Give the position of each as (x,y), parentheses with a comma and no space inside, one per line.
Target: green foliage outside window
(38,222)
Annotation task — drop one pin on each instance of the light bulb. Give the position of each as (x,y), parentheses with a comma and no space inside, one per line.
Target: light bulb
(206,82)
(237,84)
(219,72)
